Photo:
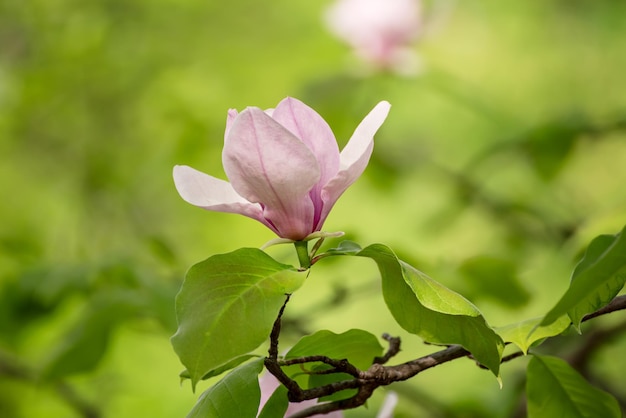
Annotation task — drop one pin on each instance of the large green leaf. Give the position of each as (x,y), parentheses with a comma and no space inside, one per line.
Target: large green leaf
(524,334)
(428,309)
(554,389)
(357,346)
(227,306)
(235,396)
(596,280)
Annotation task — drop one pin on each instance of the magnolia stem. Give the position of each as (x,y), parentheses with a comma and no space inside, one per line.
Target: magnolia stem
(303,254)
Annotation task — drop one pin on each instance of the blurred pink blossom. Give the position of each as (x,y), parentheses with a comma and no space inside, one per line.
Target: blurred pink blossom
(284,167)
(269,383)
(381,32)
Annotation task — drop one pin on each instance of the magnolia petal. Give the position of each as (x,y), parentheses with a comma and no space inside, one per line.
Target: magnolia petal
(267,164)
(213,194)
(230,118)
(312,129)
(354,157)
(306,124)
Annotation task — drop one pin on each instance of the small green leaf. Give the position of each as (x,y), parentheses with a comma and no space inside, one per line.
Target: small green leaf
(235,396)
(554,389)
(345,247)
(596,280)
(357,346)
(216,372)
(428,309)
(524,334)
(227,306)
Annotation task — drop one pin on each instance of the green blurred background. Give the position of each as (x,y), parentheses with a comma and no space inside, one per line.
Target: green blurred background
(498,163)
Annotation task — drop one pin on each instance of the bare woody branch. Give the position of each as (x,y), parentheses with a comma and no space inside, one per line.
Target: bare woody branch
(377,375)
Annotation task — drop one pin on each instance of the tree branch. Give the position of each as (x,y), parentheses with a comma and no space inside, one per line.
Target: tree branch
(271,361)
(617,304)
(378,374)
(273,350)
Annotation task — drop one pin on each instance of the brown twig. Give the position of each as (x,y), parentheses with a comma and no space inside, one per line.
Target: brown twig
(339,366)
(379,375)
(617,304)
(394,348)
(273,350)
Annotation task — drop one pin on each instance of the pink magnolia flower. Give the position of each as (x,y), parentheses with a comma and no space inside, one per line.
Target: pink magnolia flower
(380,31)
(284,167)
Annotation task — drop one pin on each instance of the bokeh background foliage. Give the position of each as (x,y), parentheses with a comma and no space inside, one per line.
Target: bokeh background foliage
(496,166)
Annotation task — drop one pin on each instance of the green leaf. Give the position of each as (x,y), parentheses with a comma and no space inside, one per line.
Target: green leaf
(428,309)
(235,396)
(596,280)
(357,346)
(217,371)
(524,334)
(227,306)
(496,279)
(345,248)
(554,389)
